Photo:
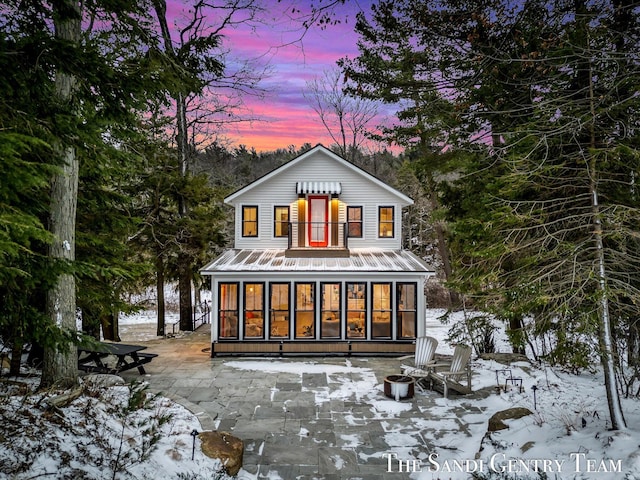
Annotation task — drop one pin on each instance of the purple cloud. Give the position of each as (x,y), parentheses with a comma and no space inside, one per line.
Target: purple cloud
(294,57)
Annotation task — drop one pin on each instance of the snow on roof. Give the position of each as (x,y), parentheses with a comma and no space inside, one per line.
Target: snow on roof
(359,260)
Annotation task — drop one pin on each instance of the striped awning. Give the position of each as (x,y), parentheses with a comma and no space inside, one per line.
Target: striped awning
(304,188)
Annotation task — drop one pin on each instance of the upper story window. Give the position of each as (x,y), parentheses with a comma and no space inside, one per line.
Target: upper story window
(250,221)
(385,222)
(281,222)
(354,220)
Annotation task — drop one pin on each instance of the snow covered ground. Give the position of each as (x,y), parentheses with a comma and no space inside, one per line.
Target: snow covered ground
(118,432)
(567,435)
(110,432)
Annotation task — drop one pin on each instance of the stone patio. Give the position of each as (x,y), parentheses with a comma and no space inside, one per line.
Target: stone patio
(287,432)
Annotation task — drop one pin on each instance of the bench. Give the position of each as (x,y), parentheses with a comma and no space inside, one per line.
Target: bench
(90,359)
(139,359)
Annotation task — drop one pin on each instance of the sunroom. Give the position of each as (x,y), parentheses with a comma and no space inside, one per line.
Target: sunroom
(265,302)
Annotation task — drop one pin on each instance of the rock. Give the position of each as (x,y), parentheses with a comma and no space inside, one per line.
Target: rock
(225,447)
(64,399)
(505,358)
(501,437)
(102,380)
(496,421)
(527,446)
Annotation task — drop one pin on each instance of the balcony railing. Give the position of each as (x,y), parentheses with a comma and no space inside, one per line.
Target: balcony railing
(317,235)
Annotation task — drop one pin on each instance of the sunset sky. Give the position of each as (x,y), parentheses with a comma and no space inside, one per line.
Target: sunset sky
(283,116)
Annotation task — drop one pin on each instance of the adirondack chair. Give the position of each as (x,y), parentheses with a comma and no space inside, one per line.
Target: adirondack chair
(423,359)
(456,371)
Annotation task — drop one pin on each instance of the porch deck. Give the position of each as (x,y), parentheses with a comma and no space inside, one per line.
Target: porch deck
(313,348)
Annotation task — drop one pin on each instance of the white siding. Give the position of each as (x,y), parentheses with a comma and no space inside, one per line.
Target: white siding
(357,190)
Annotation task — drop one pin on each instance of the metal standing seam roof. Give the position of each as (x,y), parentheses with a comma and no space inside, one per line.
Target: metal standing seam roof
(361,260)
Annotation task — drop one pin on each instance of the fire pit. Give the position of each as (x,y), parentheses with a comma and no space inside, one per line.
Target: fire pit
(399,387)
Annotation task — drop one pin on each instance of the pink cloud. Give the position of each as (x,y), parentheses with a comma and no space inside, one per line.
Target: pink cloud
(285,117)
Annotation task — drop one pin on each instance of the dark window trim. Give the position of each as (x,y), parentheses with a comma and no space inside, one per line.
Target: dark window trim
(237,310)
(340,302)
(389,310)
(244,222)
(392,222)
(349,222)
(296,310)
(414,310)
(285,227)
(244,309)
(365,310)
(272,310)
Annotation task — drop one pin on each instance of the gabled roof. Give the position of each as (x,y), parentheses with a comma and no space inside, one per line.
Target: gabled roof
(318,148)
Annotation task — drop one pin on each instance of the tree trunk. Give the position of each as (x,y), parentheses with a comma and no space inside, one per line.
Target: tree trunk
(184,261)
(633,347)
(16,356)
(110,330)
(454,298)
(60,365)
(605,334)
(605,337)
(516,334)
(17,340)
(182,143)
(184,285)
(90,322)
(160,331)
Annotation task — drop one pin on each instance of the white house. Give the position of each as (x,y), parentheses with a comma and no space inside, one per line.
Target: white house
(317,266)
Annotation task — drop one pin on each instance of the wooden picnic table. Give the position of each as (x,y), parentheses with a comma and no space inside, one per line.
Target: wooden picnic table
(92,358)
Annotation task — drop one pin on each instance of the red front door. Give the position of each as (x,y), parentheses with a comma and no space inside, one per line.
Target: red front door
(318,221)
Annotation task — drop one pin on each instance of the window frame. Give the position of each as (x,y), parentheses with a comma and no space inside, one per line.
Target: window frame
(223,313)
(245,310)
(356,328)
(273,312)
(245,222)
(375,312)
(358,222)
(297,310)
(390,223)
(284,225)
(400,312)
(334,308)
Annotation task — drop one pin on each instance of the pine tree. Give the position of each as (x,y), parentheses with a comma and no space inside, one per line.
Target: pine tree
(550,88)
(70,111)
